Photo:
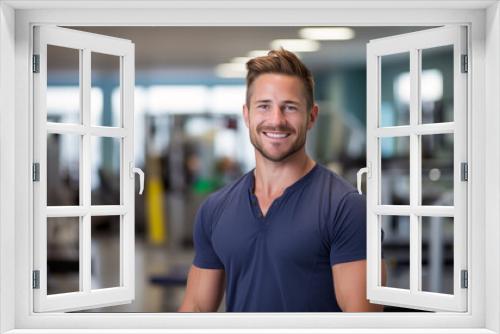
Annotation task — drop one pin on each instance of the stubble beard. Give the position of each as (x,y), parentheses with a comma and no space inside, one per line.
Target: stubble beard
(297,145)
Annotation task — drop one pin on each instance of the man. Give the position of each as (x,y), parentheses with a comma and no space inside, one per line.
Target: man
(290,235)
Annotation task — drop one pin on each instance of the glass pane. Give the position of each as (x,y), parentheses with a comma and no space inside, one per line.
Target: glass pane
(395,89)
(396,250)
(63,169)
(437,254)
(395,170)
(63,255)
(106,78)
(437,169)
(436,87)
(105,178)
(105,251)
(63,81)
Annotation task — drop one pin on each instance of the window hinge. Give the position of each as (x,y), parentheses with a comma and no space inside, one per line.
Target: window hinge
(36,172)
(464,171)
(36,279)
(36,63)
(465,279)
(465,64)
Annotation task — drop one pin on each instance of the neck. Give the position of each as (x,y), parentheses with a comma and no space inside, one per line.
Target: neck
(272,178)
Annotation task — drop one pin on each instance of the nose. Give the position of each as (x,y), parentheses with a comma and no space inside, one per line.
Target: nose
(277,116)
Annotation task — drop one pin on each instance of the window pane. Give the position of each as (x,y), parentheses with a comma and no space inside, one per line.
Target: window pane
(437,254)
(63,255)
(437,169)
(436,86)
(63,81)
(395,89)
(396,250)
(63,169)
(105,76)
(105,178)
(395,170)
(105,251)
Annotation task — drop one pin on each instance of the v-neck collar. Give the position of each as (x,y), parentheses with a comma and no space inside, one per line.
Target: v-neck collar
(290,189)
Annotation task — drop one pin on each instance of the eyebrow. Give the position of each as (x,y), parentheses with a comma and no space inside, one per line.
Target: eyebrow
(285,102)
(291,102)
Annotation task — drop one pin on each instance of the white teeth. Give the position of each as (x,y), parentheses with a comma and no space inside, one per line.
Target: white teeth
(276,135)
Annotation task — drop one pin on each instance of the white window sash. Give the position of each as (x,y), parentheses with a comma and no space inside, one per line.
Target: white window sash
(86,297)
(413,297)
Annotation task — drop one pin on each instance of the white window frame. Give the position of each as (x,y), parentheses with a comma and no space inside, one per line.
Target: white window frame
(16,20)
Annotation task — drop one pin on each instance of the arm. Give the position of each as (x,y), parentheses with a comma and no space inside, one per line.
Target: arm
(205,283)
(204,291)
(350,286)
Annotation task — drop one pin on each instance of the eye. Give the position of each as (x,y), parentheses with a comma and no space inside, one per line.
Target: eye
(290,107)
(263,106)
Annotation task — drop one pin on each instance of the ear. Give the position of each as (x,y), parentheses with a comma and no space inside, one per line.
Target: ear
(313,116)
(245,114)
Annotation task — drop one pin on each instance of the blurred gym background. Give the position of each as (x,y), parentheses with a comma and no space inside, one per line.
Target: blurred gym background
(190,140)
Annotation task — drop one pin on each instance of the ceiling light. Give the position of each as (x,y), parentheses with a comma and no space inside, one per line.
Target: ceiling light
(295,45)
(164,99)
(257,53)
(432,86)
(327,33)
(231,70)
(240,60)
(226,99)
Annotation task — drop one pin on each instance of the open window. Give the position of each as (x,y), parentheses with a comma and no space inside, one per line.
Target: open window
(73,215)
(412,142)
(409,145)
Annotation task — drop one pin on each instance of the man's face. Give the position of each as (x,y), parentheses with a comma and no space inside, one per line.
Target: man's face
(277,118)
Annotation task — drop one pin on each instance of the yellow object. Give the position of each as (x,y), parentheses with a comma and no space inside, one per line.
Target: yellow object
(156,219)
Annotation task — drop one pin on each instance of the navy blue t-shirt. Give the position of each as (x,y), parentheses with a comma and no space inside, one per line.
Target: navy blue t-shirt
(281,262)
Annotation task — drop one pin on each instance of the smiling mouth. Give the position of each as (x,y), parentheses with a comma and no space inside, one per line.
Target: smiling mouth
(276,135)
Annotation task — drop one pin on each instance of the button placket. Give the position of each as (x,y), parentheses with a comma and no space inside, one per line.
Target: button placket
(255,206)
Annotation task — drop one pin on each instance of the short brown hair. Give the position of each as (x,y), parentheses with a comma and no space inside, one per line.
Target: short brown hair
(281,62)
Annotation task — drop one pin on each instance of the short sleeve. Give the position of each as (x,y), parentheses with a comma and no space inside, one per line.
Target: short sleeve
(205,256)
(348,236)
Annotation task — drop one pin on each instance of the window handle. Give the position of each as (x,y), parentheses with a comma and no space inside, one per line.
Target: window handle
(360,176)
(134,170)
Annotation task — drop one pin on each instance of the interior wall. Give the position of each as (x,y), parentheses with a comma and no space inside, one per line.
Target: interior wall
(7,174)
(492,212)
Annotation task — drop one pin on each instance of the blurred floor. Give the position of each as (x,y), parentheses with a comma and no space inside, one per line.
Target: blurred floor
(151,261)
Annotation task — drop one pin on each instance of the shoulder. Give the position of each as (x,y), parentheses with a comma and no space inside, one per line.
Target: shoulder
(333,187)
(338,199)
(223,194)
(216,201)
